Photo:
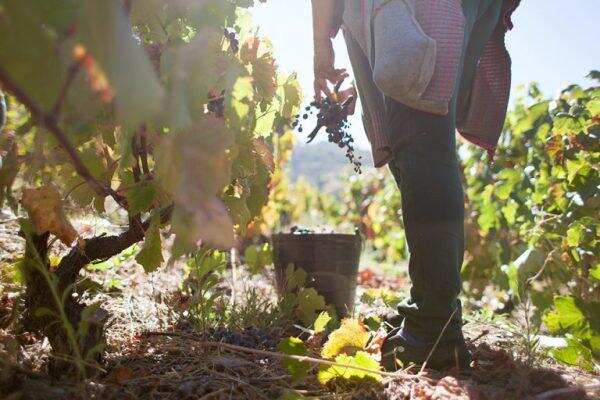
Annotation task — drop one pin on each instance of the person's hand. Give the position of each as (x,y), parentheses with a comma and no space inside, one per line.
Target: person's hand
(325,71)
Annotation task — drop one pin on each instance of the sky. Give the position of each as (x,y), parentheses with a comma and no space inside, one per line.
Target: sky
(554,42)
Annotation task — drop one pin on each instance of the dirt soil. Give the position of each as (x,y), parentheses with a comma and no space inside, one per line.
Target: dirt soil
(153,354)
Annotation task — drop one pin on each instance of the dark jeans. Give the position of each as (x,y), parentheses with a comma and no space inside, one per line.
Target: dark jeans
(426,169)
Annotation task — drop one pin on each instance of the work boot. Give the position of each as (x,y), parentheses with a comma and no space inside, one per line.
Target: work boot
(401,346)
(391,320)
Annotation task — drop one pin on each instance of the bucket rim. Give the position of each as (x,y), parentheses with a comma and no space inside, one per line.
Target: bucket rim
(311,236)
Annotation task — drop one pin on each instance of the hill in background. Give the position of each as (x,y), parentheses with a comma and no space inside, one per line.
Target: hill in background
(323,165)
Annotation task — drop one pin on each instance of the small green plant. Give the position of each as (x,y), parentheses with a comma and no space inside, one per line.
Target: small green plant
(579,321)
(66,323)
(202,286)
(257,257)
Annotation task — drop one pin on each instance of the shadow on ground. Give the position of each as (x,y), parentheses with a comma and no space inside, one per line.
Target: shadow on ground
(178,366)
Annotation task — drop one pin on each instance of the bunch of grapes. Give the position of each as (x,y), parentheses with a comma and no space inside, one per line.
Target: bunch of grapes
(216,103)
(333,116)
(234,42)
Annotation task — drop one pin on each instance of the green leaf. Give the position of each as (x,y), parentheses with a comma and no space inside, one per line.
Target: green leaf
(362,359)
(510,178)
(575,234)
(309,302)
(321,322)
(104,30)
(241,97)
(295,278)
(140,198)
(294,346)
(595,272)
(258,257)
(205,262)
(373,322)
(514,284)
(293,97)
(150,256)
(565,316)
(594,107)
(566,125)
(510,211)
(28,51)
(577,168)
(574,354)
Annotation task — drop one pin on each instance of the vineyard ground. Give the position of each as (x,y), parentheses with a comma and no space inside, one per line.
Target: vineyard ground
(154,353)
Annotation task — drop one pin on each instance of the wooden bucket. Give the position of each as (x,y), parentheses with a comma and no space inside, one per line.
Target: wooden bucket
(330,260)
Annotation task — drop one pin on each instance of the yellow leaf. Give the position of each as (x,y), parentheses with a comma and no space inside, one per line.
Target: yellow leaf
(345,371)
(44,207)
(349,338)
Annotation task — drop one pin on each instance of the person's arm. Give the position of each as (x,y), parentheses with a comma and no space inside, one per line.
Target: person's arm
(324,21)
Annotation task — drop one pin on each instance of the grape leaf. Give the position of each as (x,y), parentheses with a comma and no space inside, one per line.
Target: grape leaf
(258,257)
(595,272)
(321,322)
(150,257)
(574,354)
(293,97)
(295,278)
(208,222)
(261,149)
(565,316)
(575,234)
(105,32)
(362,359)
(27,51)
(140,197)
(309,302)
(44,206)
(594,107)
(265,78)
(249,50)
(294,346)
(350,337)
(193,167)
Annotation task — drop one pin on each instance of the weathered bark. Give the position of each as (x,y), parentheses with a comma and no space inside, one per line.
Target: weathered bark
(38,294)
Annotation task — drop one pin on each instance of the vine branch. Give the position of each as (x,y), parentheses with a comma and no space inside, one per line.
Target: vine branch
(64,90)
(104,247)
(281,356)
(49,121)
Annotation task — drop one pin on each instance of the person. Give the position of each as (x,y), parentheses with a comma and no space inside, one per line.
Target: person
(420,149)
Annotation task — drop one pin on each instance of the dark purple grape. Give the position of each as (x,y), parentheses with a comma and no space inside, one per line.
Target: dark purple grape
(333,116)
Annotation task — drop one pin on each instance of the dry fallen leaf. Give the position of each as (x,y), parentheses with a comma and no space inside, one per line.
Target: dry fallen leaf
(228,361)
(44,207)
(377,341)
(121,374)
